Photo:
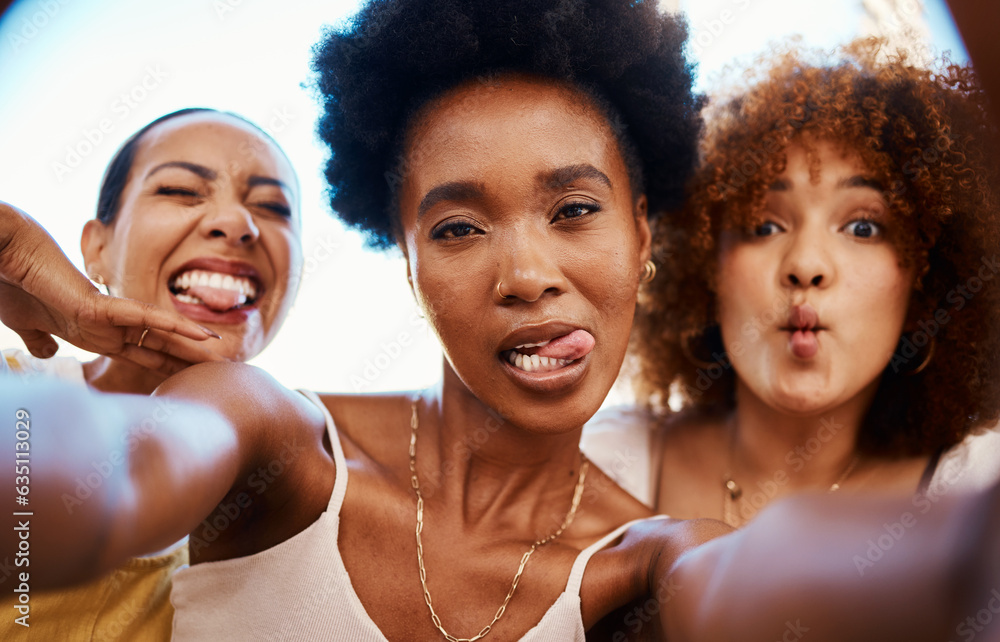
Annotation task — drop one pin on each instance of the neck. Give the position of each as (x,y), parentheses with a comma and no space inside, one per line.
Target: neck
(109,375)
(810,451)
(472,460)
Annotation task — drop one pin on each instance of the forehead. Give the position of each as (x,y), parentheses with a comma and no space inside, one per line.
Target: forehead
(821,161)
(491,131)
(216,141)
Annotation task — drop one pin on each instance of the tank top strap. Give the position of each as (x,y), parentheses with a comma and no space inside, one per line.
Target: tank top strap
(340,481)
(580,565)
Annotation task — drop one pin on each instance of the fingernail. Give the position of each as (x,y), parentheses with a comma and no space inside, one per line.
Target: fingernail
(209,332)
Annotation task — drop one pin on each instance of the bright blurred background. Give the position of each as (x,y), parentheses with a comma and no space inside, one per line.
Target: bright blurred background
(66,65)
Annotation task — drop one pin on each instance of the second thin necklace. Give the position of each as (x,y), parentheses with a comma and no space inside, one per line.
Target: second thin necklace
(732,492)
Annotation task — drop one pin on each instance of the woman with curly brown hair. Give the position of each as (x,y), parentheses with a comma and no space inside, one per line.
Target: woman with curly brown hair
(829,316)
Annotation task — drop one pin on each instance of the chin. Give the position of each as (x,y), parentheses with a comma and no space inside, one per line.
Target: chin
(800,394)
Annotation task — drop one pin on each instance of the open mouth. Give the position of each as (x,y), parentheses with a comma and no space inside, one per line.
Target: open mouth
(550,355)
(217,291)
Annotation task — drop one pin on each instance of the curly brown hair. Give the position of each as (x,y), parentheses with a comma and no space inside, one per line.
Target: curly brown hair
(923,135)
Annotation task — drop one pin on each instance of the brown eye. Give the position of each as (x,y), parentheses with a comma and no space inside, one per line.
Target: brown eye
(454,230)
(767,228)
(576,210)
(863,228)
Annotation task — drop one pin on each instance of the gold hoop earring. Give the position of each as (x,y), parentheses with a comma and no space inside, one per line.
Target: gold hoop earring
(648,271)
(685,338)
(923,364)
(501,294)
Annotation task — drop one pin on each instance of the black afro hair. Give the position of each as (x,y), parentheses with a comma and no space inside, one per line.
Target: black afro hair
(394,56)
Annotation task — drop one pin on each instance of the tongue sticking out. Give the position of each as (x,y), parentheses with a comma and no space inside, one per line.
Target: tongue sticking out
(575,345)
(217,299)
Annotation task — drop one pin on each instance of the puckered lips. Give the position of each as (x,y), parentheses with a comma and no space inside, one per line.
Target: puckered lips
(803,327)
(215,290)
(548,356)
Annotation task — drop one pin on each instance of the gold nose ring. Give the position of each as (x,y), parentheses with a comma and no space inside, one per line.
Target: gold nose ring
(501,294)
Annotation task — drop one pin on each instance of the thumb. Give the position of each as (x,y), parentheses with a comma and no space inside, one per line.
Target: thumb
(39,344)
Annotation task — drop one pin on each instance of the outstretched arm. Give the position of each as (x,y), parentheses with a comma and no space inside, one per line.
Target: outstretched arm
(826,568)
(107,477)
(101,478)
(43,294)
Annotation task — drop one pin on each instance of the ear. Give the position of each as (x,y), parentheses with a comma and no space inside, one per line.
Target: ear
(642,228)
(401,244)
(93,241)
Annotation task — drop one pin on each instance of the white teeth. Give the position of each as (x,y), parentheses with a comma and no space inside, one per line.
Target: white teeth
(536,363)
(187,298)
(533,345)
(192,278)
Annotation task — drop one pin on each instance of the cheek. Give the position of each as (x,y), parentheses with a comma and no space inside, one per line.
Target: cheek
(879,292)
(743,295)
(453,297)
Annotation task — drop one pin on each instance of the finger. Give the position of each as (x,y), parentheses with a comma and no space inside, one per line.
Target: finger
(166,343)
(39,343)
(128,312)
(164,364)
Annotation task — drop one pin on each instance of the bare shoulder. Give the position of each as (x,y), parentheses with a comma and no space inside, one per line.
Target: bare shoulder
(252,400)
(372,424)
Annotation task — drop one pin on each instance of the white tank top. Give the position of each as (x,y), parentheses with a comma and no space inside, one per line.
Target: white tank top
(300,589)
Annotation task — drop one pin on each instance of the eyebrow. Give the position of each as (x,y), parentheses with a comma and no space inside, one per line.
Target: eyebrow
(782,185)
(254,181)
(454,191)
(859,181)
(200,170)
(565,176)
(554,180)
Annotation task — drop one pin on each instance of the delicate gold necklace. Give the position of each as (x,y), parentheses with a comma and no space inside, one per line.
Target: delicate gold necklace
(577,494)
(732,492)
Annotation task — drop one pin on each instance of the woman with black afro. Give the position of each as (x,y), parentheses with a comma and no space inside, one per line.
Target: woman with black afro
(513,152)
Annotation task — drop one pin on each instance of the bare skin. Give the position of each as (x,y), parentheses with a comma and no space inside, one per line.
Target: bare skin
(205,190)
(801,397)
(515,487)
(60,301)
(490,504)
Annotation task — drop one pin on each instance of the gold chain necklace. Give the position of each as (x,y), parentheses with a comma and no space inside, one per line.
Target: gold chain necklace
(577,494)
(732,492)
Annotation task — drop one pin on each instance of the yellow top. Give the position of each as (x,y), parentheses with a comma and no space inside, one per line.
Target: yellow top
(130,603)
